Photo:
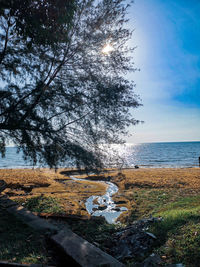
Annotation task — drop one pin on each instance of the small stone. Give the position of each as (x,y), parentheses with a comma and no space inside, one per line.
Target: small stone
(120,202)
(102,207)
(164,257)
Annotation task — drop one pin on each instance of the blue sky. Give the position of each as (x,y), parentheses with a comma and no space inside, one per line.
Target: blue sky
(167,36)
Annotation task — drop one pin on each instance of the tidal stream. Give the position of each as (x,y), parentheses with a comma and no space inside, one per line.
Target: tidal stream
(103,205)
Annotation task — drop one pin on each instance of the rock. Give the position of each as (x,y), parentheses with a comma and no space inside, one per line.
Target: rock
(102,207)
(133,241)
(96,244)
(120,202)
(152,260)
(125,252)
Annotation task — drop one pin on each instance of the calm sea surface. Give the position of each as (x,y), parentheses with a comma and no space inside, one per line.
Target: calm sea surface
(177,154)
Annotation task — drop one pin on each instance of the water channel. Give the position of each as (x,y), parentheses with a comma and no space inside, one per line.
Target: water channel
(103,205)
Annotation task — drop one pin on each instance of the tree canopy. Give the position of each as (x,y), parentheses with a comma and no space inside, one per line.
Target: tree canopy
(62,94)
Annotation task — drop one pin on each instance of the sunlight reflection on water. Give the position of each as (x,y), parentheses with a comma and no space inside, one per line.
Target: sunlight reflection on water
(157,155)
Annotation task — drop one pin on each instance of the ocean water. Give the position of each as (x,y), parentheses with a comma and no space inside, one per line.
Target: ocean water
(167,155)
(156,155)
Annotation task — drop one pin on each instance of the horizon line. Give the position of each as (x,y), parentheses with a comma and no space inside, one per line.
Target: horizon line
(153,142)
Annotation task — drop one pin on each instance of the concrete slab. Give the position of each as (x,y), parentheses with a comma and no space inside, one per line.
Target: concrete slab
(83,252)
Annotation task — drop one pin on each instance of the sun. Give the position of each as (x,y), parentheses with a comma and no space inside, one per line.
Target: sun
(107,49)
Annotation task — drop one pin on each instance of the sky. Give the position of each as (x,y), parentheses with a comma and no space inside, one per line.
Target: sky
(167,36)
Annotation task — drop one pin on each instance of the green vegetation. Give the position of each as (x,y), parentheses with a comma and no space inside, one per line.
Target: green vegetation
(178,234)
(44,204)
(184,246)
(179,230)
(149,201)
(95,230)
(21,243)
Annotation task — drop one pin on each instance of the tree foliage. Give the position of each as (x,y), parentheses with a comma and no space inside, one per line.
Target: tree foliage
(61,96)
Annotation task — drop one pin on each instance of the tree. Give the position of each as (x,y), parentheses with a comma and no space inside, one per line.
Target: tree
(63,87)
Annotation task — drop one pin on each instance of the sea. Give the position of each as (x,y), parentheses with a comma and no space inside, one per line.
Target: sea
(144,155)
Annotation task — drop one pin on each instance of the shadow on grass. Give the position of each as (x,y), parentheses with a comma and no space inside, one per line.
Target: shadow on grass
(78,172)
(86,171)
(19,243)
(95,230)
(25,188)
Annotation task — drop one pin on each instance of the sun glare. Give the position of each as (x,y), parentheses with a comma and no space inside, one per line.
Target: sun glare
(107,49)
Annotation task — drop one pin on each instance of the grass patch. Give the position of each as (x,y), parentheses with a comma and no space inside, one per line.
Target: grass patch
(95,230)
(44,204)
(185,245)
(148,201)
(179,232)
(20,243)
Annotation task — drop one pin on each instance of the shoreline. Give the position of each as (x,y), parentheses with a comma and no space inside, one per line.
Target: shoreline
(114,168)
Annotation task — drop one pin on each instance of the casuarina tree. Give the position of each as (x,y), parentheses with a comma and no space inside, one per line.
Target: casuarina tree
(63,86)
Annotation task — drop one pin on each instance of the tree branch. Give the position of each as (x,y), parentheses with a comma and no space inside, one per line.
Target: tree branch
(3,53)
(71,122)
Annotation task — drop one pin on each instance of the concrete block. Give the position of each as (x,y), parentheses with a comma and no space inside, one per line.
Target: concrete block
(83,252)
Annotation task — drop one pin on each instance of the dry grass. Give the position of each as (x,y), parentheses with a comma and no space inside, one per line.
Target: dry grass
(25,176)
(26,183)
(159,178)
